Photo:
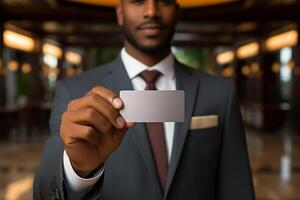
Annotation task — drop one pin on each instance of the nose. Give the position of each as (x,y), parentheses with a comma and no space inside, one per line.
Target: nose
(151,9)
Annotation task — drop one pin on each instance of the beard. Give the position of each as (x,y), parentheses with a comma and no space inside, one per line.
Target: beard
(162,46)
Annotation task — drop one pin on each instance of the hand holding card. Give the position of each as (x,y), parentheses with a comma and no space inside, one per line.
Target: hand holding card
(153,106)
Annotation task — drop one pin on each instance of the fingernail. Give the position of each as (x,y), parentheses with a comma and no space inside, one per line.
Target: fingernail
(117,102)
(120,122)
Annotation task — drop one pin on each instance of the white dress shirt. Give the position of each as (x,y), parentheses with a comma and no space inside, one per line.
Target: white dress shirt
(133,67)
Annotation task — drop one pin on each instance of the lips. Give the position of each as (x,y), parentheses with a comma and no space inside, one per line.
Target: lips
(151,29)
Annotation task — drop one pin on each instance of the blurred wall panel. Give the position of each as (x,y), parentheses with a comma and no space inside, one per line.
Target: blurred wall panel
(2,87)
(296,90)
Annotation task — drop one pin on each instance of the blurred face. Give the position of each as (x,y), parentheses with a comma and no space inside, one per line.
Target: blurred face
(148,25)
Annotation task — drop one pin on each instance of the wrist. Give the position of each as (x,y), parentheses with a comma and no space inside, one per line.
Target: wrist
(86,173)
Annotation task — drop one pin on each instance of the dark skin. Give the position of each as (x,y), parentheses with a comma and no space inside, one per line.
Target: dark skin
(148,27)
(92,127)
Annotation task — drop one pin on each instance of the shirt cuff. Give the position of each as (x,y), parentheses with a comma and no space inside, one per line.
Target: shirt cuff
(77,183)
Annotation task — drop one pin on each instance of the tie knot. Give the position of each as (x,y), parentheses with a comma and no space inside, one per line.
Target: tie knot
(150,77)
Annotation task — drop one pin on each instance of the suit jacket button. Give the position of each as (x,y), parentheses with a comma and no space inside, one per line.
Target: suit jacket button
(56,194)
(51,196)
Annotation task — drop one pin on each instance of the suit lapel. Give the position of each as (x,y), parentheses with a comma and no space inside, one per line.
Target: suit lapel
(185,80)
(118,80)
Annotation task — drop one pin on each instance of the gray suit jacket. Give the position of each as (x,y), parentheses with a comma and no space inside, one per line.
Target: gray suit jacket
(205,164)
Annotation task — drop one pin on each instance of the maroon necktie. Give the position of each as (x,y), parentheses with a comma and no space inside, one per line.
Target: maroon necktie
(156,133)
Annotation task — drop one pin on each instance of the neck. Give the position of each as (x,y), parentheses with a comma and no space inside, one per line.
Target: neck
(148,59)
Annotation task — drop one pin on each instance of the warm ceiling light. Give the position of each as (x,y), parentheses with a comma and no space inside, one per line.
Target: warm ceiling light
(228,71)
(54,72)
(246,70)
(286,39)
(225,57)
(196,3)
(13,65)
(50,49)
(276,68)
(18,41)
(183,3)
(26,68)
(71,72)
(73,57)
(255,68)
(292,64)
(248,50)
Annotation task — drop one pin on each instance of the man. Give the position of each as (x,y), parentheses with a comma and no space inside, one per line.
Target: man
(94,154)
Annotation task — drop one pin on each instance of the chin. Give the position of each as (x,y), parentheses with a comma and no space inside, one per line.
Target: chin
(148,45)
(153,49)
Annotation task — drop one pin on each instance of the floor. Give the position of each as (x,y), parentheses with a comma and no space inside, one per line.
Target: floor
(275,162)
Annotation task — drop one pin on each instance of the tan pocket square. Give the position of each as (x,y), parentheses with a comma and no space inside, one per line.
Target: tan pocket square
(202,122)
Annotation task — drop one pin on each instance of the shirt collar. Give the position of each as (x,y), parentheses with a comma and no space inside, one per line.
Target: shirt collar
(135,67)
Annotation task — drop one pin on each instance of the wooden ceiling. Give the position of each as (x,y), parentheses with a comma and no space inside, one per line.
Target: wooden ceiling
(79,25)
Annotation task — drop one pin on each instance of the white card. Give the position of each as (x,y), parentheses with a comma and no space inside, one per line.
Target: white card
(153,105)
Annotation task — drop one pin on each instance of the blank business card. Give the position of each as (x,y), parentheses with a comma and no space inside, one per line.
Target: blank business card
(153,105)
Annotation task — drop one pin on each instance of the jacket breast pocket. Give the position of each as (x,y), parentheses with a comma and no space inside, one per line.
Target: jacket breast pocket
(204,122)
(205,132)
(204,144)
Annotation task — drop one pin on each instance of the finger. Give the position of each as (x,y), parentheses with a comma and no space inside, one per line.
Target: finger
(109,96)
(90,117)
(130,124)
(119,134)
(98,103)
(118,103)
(72,133)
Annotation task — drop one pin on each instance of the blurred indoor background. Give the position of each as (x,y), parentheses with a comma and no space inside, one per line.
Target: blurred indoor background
(254,42)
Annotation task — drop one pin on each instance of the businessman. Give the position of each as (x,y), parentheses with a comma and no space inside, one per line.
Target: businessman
(93,153)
